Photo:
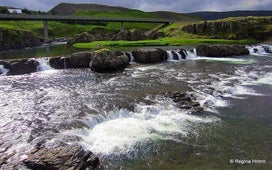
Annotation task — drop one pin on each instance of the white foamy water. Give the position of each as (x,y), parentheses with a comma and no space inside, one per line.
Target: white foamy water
(3,70)
(44,64)
(223,86)
(191,54)
(170,56)
(260,50)
(227,60)
(121,131)
(266,79)
(132,59)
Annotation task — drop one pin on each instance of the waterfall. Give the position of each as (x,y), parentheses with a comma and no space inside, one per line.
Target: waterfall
(132,59)
(261,49)
(44,64)
(179,55)
(64,62)
(191,54)
(170,55)
(3,70)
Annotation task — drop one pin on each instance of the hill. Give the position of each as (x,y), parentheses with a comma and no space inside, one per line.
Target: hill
(207,15)
(97,10)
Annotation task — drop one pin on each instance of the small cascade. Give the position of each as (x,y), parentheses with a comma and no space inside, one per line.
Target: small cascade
(170,55)
(132,59)
(261,49)
(179,55)
(191,54)
(3,70)
(44,64)
(64,62)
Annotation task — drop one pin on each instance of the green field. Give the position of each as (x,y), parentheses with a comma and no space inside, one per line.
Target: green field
(168,41)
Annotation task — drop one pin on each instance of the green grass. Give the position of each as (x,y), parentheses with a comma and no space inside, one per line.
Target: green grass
(56,29)
(169,41)
(122,13)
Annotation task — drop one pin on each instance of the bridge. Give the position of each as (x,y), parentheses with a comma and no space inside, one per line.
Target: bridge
(45,18)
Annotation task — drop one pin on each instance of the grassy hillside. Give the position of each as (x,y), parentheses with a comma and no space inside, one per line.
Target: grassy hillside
(97,10)
(56,29)
(60,29)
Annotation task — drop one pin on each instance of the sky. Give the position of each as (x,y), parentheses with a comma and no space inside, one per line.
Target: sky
(182,6)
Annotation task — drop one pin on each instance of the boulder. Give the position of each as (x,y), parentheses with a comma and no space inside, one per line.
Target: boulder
(123,35)
(137,35)
(107,61)
(183,53)
(184,101)
(58,62)
(79,60)
(221,50)
(63,157)
(149,55)
(20,66)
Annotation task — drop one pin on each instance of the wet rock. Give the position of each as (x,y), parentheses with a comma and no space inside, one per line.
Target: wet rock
(183,53)
(80,60)
(150,55)
(107,61)
(185,101)
(58,62)
(267,49)
(221,50)
(20,66)
(63,157)
(175,55)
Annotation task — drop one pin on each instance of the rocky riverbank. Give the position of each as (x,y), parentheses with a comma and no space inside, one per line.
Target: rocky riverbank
(257,28)
(61,157)
(17,39)
(108,61)
(130,35)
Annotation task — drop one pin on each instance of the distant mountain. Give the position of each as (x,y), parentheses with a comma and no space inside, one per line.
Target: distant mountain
(206,15)
(97,10)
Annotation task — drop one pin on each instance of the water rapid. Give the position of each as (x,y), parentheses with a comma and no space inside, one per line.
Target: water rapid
(124,118)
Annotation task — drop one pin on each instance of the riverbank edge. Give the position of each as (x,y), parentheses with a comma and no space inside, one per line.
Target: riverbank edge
(106,60)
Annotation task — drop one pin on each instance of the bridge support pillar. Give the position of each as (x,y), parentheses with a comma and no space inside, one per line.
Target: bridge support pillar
(122,26)
(45,30)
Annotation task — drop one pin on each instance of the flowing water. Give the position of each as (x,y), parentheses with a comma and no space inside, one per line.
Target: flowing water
(123,118)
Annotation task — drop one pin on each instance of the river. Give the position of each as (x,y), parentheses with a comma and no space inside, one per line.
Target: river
(123,119)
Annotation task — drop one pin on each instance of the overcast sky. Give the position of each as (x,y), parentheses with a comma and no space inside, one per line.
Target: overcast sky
(152,5)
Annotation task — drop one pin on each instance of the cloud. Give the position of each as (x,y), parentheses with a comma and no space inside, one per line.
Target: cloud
(153,5)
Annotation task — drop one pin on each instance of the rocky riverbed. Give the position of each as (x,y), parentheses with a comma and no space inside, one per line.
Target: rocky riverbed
(108,61)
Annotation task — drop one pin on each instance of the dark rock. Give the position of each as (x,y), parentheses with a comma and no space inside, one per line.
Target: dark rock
(184,101)
(221,50)
(137,35)
(240,28)
(267,49)
(150,55)
(58,62)
(107,61)
(20,66)
(183,53)
(132,35)
(80,60)
(175,55)
(123,35)
(62,157)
